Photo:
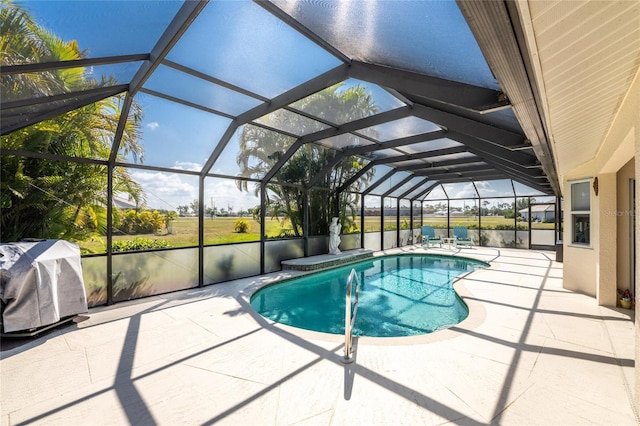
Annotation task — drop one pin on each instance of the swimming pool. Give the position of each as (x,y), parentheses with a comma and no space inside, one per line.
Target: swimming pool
(401,295)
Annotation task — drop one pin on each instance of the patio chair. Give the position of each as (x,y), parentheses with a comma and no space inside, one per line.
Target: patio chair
(429,237)
(461,236)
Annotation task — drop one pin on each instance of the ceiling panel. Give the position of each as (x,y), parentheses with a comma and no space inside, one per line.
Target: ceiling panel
(410,35)
(588,53)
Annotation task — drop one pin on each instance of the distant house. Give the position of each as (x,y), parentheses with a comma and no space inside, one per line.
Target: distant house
(541,213)
(122,204)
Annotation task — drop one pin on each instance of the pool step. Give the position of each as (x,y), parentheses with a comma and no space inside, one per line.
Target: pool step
(323,261)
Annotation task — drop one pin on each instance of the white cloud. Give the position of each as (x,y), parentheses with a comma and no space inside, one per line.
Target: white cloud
(166,190)
(224,193)
(186,165)
(461,190)
(153,125)
(170,190)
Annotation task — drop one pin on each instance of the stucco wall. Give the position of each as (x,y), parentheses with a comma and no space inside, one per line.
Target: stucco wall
(607,223)
(594,270)
(636,134)
(623,213)
(580,263)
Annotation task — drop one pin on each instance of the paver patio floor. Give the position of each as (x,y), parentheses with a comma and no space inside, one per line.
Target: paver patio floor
(529,353)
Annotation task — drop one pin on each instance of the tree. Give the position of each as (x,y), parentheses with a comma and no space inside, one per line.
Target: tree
(261,149)
(485,209)
(169,217)
(195,207)
(521,204)
(48,198)
(241,226)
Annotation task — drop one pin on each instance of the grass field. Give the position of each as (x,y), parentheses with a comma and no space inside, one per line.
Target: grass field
(220,230)
(488,222)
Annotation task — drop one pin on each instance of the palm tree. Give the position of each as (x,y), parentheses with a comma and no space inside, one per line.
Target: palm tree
(47,198)
(261,149)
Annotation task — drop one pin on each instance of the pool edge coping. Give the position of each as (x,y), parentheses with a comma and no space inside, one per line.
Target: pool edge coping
(477,312)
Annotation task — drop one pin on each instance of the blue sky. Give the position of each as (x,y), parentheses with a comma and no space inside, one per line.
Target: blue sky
(236,41)
(174,135)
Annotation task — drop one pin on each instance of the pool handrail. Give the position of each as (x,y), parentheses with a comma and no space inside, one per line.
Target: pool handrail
(349,317)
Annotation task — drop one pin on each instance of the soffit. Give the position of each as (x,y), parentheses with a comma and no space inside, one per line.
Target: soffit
(588,54)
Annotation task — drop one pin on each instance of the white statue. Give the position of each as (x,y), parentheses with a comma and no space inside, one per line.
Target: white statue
(334,236)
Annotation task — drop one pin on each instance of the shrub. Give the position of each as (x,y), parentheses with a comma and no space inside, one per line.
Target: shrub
(138,244)
(241,225)
(141,222)
(504,227)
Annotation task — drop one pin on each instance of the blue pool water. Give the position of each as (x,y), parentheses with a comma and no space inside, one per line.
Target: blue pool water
(403,295)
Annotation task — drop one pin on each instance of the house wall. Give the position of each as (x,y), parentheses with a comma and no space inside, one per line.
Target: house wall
(594,270)
(586,269)
(606,290)
(635,117)
(580,262)
(624,220)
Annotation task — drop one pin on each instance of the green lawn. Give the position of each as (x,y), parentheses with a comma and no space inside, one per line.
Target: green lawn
(220,230)
(488,222)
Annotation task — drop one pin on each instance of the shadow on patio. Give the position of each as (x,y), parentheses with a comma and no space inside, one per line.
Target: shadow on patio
(530,352)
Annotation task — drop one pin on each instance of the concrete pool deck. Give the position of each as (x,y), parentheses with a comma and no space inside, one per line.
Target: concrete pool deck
(530,353)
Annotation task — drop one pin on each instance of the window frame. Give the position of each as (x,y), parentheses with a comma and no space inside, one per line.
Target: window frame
(575,214)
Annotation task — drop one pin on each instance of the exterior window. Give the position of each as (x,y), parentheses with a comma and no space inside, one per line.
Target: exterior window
(581,212)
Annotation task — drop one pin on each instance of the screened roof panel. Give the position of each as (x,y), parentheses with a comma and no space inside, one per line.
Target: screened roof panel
(522,190)
(480,165)
(406,186)
(356,165)
(106,28)
(28,85)
(460,190)
(389,183)
(374,175)
(436,193)
(382,154)
(241,43)
(235,58)
(416,163)
(305,164)
(336,106)
(410,35)
(495,188)
(419,189)
(183,86)
(345,140)
(175,135)
(251,152)
(460,156)
(292,171)
(17,116)
(227,163)
(429,146)
(88,142)
(440,171)
(402,128)
(361,183)
(291,122)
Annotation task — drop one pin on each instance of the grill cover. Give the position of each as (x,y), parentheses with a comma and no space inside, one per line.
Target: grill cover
(40,283)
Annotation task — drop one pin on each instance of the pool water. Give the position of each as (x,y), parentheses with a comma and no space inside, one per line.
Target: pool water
(402,295)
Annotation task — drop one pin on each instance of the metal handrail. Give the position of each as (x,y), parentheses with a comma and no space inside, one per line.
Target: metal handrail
(349,317)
